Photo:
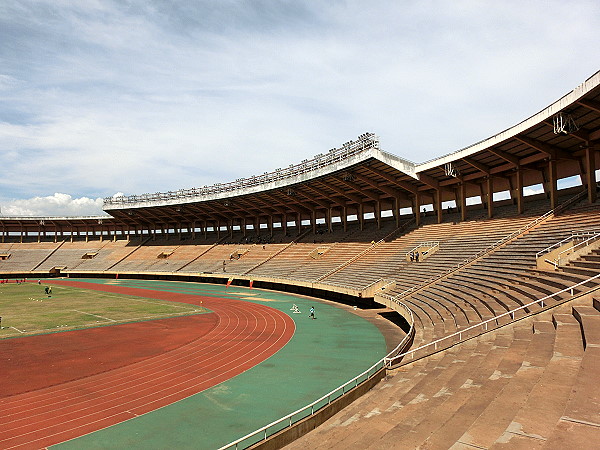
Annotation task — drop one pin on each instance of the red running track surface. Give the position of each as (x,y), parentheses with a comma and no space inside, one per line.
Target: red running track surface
(145,375)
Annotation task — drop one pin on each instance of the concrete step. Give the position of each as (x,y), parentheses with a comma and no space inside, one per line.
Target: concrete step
(535,421)
(462,386)
(449,429)
(500,412)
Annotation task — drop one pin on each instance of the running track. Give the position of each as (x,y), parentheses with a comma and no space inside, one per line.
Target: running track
(245,334)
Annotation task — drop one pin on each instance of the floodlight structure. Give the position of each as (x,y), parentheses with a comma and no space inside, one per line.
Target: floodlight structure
(564,123)
(451,170)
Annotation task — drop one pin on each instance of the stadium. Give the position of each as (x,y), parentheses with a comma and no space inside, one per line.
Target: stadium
(479,269)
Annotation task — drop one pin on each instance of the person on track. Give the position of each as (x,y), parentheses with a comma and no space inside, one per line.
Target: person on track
(312,312)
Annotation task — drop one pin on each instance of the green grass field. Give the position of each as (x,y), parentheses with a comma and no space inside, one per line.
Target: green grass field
(25,309)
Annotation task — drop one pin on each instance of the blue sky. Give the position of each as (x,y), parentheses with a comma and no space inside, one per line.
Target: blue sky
(100,97)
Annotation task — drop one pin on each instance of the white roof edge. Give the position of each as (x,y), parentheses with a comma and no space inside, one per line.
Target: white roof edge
(397,162)
(568,99)
(55,217)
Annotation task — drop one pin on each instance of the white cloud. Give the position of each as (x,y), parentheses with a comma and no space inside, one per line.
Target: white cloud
(54,205)
(533,190)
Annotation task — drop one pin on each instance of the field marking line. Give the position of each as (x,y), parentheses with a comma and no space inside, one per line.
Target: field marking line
(95,315)
(15,329)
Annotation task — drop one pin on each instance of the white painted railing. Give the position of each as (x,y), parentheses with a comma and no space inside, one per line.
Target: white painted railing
(587,236)
(574,234)
(485,325)
(429,245)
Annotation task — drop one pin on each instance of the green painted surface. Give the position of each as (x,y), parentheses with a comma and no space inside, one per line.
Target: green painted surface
(323,354)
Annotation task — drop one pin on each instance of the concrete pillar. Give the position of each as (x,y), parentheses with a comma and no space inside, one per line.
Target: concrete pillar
(361,216)
(590,176)
(552,183)
(490,197)
(396,210)
(416,208)
(284,223)
(313,219)
(519,192)
(345,218)
(378,214)
(298,223)
(438,205)
(463,201)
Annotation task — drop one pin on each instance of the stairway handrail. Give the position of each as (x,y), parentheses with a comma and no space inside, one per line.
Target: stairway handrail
(574,234)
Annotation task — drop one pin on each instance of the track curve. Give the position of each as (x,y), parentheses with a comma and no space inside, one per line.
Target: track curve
(244,335)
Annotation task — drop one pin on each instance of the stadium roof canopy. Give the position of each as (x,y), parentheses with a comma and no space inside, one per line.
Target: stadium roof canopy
(359,177)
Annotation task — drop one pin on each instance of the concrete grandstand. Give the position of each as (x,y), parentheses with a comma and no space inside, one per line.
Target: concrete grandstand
(453,245)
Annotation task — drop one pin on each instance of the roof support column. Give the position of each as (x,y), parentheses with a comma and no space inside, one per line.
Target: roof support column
(284,223)
(396,211)
(590,176)
(218,226)
(463,201)
(416,208)
(313,219)
(378,213)
(329,213)
(490,197)
(270,223)
(21,238)
(438,204)
(193,229)
(205,229)
(298,223)
(345,218)
(552,183)
(519,191)
(361,216)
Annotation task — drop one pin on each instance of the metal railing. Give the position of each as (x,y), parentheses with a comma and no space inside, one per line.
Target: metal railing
(300,414)
(365,141)
(574,234)
(484,326)
(429,245)
(587,238)
(491,247)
